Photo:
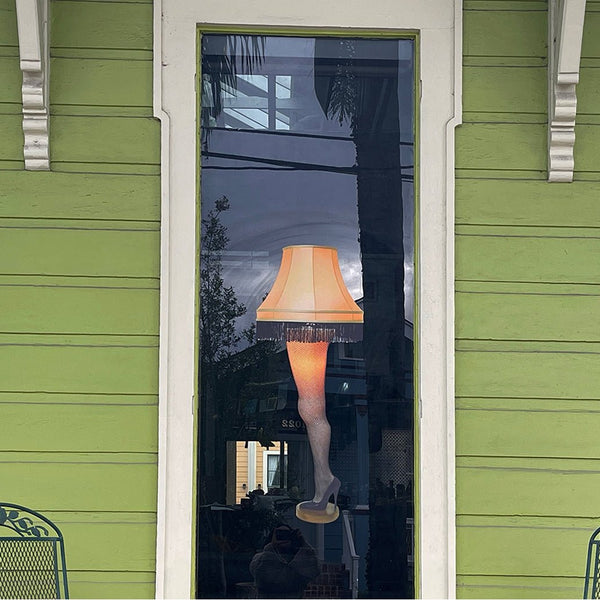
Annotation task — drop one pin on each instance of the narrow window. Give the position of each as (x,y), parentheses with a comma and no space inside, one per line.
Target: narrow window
(306,317)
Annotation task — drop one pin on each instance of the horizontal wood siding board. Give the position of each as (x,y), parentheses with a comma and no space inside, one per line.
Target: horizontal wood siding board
(558,434)
(86,282)
(590,46)
(11,134)
(79,252)
(119,25)
(10,75)
(128,140)
(501,146)
(54,398)
(100,82)
(111,584)
(531,374)
(505,33)
(505,89)
(111,168)
(550,405)
(527,491)
(52,309)
(536,259)
(586,148)
(528,316)
(491,202)
(8,24)
(79,369)
(523,546)
(79,428)
(588,91)
(90,196)
(474,586)
(528,288)
(93,483)
(131,545)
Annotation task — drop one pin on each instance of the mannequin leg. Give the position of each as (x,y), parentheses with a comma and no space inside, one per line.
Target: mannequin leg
(308,361)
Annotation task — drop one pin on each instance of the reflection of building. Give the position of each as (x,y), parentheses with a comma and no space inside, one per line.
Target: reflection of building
(256,467)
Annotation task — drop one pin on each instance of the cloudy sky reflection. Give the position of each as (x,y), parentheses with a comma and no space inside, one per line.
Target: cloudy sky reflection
(289,172)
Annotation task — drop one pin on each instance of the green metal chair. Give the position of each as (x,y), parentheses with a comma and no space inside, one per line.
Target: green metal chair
(32,555)
(592,570)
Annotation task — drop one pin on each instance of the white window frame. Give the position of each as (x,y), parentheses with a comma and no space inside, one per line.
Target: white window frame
(266,454)
(438,24)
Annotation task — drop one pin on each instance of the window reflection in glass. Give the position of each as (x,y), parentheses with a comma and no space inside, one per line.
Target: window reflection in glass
(305,141)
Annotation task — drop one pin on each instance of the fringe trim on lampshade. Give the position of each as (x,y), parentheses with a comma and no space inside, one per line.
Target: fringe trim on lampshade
(309,332)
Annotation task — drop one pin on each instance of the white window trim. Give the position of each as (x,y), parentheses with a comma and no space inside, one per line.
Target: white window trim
(439,24)
(266,454)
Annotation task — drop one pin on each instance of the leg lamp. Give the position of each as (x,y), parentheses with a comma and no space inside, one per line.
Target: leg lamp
(309,307)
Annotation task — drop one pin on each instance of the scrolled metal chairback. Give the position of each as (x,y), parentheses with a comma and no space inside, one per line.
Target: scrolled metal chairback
(32,555)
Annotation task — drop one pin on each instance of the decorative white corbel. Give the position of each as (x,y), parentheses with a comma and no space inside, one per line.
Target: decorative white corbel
(565,24)
(32,22)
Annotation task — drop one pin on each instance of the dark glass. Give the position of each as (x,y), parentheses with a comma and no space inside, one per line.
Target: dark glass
(305,141)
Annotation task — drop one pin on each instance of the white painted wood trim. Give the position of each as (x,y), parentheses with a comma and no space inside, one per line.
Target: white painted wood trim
(565,33)
(438,23)
(32,27)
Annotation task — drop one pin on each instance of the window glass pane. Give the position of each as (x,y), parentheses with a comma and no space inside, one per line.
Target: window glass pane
(306,328)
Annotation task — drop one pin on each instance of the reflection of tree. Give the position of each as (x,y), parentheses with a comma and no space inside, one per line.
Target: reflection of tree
(353,86)
(219,309)
(219,305)
(223,57)
(229,378)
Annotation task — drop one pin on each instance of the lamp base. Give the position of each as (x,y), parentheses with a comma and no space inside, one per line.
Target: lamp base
(329,514)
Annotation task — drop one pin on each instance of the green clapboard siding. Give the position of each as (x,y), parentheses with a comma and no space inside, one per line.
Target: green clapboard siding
(588,91)
(479,148)
(527,306)
(92,427)
(505,33)
(80,295)
(115,584)
(487,202)
(124,140)
(590,47)
(131,542)
(101,82)
(49,308)
(79,368)
(527,428)
(536,373)
(84,196)
(101,25)
(10,90)
(8,24)
(531,546)
(476,586)
(105,253)
(504,89)
(11,134)
(542,258)
(98,483)
(537,315)
(533,487)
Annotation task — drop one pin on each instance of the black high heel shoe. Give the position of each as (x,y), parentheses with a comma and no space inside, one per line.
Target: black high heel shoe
(322,511)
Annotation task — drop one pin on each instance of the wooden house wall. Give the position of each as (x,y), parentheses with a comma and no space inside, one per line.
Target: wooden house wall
(79,269)
(527,314)
(79,328)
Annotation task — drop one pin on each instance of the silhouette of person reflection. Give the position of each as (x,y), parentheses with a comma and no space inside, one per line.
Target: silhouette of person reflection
(285,566)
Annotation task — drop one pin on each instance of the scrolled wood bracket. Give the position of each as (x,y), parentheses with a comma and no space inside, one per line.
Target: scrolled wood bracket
(32,22)
(565,29)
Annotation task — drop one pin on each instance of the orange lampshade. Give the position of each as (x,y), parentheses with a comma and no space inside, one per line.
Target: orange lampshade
(309,292)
